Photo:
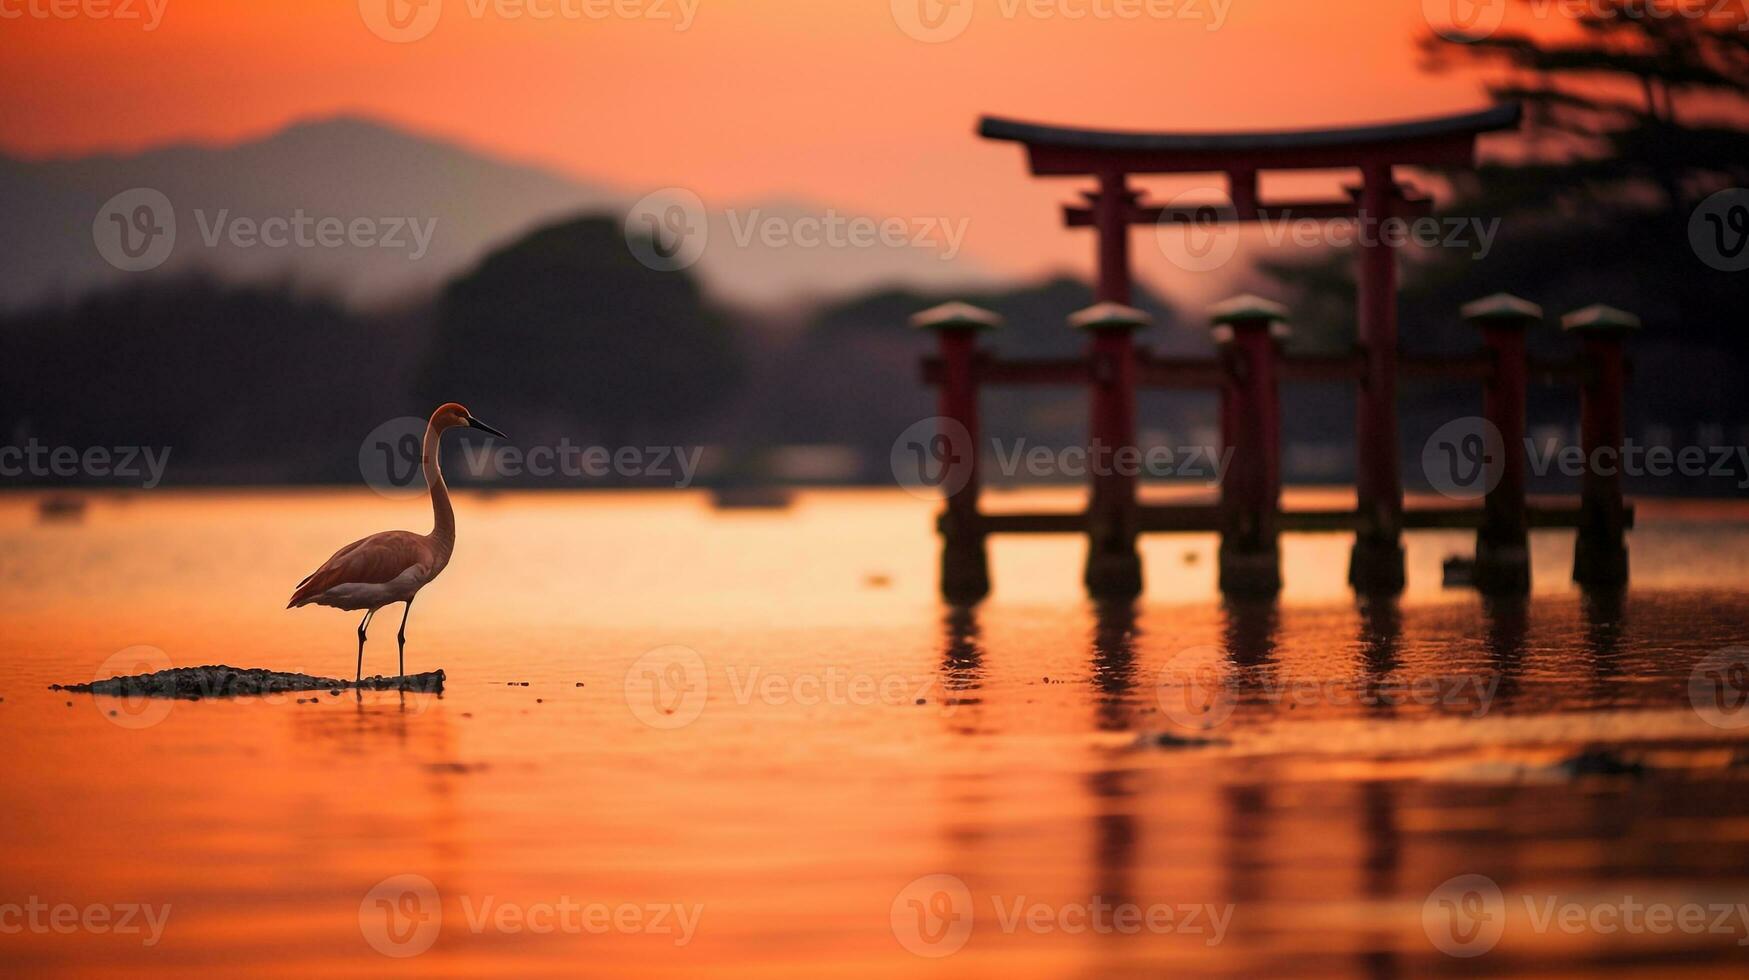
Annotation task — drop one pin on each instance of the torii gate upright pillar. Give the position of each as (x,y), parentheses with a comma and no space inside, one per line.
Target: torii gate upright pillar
(1376,564)
(1114,566)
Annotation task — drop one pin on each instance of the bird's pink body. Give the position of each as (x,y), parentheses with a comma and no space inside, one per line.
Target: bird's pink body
(385,568)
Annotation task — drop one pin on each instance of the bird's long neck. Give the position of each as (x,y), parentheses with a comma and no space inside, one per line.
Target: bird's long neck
(442,514)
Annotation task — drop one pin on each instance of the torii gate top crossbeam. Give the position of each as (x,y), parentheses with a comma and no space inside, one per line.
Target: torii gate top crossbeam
(1442,140)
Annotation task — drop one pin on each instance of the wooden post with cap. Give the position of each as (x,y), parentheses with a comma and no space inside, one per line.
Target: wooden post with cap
(1600,555)
(1376,565)
(1248,329)
(965,565)
(1503,541)
(1114,566)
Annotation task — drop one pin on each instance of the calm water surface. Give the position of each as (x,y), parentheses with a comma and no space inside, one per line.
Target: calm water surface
(765,726)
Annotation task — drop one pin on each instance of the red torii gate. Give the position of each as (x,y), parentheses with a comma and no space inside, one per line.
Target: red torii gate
(1110,157)
(1250,367)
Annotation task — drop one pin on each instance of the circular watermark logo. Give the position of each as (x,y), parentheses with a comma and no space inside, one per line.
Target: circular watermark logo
(932,21)
(667,687)
(391,457)
(932,916)
(1719,230)
(1192,691)
(133,710)
(1196,235)
(1464,21)
(1718,688)
(1465,916)
(401,915)
(135,230)
(933,458)
(667,229)
(1465,458)
(400,21)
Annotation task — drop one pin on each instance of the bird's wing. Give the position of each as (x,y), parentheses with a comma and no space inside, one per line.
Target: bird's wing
(368,561)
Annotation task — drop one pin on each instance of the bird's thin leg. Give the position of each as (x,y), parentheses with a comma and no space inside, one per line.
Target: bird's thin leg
(363,625)
(401,638)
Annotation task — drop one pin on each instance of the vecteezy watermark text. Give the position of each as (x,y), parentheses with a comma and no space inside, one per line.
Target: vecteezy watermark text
(933,917)
(402,916)
(1467,916)
(668,230)
(1198,236)
(41,462)
(834,230)
(569,916)
(149,13)
(669,687)
(301,230)
(66,918)
(1198,689)
(136,230)
(933,456)
(405,21)
(1465,459)
(678,464)
(391,460)
(935,21)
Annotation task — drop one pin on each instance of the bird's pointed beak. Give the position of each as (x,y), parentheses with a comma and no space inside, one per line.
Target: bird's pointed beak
(474,423)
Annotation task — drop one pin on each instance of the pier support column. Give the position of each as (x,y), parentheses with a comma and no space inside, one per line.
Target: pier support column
(965,563)
(1376,565)
(1503,541)
(1114,567)
(1600,556)
(1248,329)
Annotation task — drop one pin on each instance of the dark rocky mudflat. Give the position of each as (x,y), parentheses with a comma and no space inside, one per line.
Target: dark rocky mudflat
(194,683)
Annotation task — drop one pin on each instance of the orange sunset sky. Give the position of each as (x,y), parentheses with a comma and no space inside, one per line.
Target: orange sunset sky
(829,102)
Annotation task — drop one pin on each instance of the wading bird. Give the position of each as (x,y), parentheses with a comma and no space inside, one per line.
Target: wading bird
(393,566)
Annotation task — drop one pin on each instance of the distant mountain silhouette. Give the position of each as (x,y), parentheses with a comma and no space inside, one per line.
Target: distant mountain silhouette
(345,168)
(445,204)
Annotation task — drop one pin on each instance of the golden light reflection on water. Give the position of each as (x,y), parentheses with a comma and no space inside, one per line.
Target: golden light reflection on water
(852,735)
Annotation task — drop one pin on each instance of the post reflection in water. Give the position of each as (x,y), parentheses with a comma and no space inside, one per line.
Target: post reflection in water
(962,657)
(1508,619)
(1382,839)
(1111,790)
(1381,644)
(1114,664)
(1250,631)
(1250,634)
(1605,624)
(962,666)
